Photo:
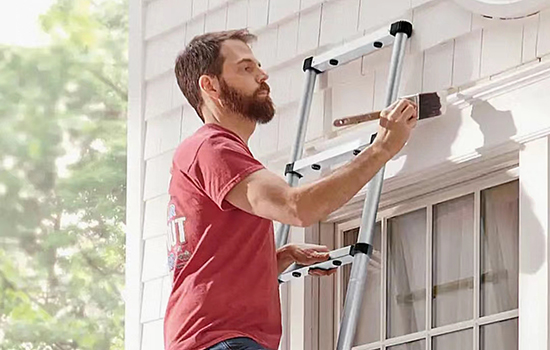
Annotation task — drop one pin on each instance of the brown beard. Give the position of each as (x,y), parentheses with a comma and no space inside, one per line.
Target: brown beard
(255,108)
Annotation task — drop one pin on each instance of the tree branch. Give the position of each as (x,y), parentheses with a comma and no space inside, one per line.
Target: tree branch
(122,93)
(93,265)
(15,288)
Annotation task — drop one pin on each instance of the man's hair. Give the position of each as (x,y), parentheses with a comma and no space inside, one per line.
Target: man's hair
(202,57)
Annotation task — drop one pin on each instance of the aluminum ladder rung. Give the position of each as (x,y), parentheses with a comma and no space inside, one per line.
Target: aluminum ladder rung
(311,167)
(352,50)
(337,258)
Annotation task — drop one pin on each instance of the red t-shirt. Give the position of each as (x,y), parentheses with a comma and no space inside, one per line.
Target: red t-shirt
(223,259)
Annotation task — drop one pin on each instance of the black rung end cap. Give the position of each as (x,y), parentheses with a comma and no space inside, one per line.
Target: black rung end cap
(289,169)
(363,248)
(401,27)
(308,65)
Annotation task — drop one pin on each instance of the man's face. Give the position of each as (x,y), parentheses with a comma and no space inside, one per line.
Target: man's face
(243,83)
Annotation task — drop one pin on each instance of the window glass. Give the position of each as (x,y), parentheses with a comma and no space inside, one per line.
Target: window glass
(499,248)
(453,261)
(406,273)
(462,340)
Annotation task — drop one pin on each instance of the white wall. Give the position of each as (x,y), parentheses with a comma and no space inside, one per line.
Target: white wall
(451,49)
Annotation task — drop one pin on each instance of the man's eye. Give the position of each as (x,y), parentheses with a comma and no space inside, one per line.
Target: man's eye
(248,69)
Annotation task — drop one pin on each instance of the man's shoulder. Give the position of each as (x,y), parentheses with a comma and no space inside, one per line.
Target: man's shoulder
(208,137)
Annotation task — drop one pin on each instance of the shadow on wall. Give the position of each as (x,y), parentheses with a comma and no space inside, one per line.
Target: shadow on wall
(431,144)
(534,237)
(495,125)
(490,119)
(434,146)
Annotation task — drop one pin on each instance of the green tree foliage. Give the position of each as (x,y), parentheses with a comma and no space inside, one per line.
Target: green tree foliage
(62,181)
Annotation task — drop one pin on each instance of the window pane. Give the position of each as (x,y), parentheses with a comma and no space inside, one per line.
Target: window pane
(368,327)
(455,341)
(417,345)
(453,261)
(501,336)
(407,273)
(500,248)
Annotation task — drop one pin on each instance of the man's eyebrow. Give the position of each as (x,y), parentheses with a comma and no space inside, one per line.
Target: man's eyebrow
(250,61)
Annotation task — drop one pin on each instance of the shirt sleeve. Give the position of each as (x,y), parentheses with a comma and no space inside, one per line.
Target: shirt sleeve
(221,163)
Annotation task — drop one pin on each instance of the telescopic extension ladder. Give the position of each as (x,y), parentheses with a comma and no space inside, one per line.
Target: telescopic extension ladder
(358,254)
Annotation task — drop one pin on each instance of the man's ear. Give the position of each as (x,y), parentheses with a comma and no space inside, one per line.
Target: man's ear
(210,86)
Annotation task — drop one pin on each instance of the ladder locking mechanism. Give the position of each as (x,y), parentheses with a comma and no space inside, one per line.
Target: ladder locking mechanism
(363,248)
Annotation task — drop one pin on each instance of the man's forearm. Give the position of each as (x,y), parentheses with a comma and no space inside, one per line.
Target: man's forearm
(315,201)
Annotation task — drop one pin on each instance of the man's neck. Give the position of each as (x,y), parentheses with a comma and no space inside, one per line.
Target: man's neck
(241,126)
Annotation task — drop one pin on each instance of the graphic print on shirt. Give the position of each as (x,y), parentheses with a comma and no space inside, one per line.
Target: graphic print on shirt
(178,248)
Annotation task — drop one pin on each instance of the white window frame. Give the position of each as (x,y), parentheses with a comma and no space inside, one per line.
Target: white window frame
(427,200)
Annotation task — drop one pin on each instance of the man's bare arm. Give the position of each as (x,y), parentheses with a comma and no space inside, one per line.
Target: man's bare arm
(267,195)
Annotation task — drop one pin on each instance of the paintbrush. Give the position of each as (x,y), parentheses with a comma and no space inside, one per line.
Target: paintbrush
(430,104)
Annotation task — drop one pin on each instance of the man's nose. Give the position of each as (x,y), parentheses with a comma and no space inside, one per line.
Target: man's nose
(263,76)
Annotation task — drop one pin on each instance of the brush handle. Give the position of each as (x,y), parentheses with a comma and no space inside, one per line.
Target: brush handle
(356,119)
(429,104)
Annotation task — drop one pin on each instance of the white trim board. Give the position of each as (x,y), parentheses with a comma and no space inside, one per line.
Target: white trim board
(135,178)
(449,178)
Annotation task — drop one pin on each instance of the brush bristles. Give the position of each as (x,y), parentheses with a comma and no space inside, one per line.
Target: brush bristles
(429,105)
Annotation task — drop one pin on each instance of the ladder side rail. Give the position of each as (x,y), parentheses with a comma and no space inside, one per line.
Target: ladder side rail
(358,277)
(292,177)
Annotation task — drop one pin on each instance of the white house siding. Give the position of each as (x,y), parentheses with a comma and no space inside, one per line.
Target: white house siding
(451,49)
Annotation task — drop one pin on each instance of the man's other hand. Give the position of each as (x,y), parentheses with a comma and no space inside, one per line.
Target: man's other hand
(305,254)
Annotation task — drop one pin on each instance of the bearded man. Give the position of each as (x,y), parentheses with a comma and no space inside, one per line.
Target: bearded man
(221,246)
